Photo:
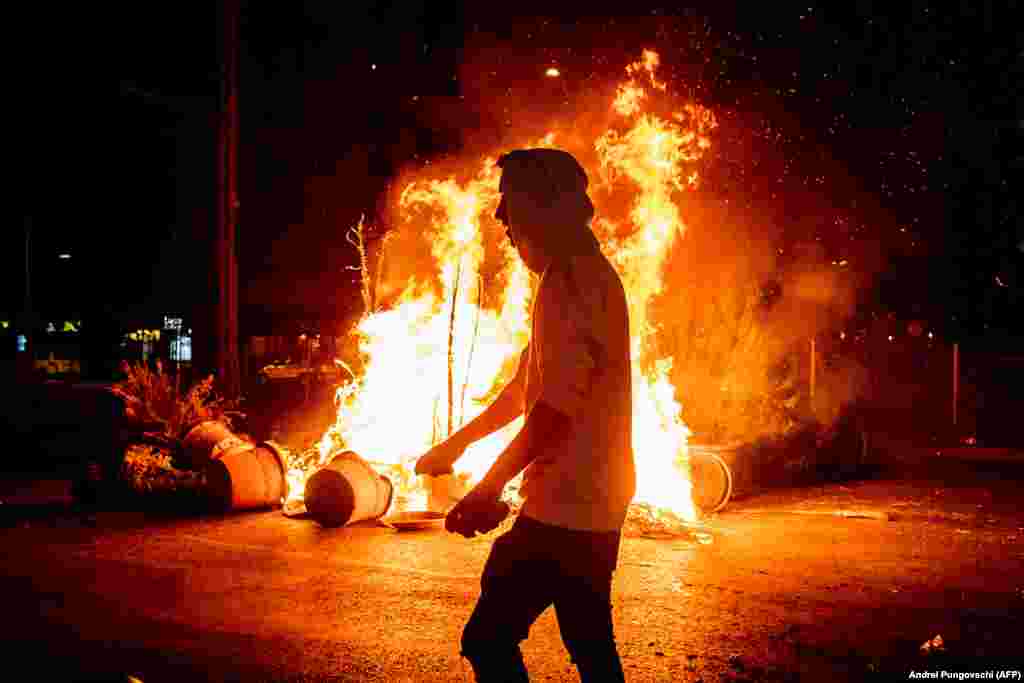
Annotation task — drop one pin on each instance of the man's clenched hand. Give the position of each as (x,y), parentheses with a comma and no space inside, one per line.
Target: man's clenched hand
(481,511)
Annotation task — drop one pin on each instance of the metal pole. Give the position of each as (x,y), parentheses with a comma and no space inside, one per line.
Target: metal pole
(814,367)
(956,380)
(226,261)
(28,265)
(25,364)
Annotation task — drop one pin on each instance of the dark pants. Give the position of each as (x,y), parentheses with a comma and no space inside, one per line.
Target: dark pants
(530,567)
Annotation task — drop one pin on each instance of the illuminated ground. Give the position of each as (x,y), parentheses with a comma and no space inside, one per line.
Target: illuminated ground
(784,586)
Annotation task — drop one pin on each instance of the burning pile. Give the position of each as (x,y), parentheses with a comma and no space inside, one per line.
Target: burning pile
(448,304)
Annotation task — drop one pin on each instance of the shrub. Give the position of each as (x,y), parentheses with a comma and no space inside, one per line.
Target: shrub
(153,397)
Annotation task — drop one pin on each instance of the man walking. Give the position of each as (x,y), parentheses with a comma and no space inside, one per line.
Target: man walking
(573,385)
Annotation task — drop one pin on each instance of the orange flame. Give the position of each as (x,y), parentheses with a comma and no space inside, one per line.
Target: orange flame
(401,404)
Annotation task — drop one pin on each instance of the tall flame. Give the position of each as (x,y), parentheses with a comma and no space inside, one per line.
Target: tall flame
(433,358)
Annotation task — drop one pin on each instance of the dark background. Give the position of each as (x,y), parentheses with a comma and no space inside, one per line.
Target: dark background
(905,118)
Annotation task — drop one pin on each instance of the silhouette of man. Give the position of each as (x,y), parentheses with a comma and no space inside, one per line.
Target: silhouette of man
(573,385)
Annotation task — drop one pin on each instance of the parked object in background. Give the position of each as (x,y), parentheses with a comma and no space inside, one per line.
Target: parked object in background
(284,371)
(68,431)
(52,366)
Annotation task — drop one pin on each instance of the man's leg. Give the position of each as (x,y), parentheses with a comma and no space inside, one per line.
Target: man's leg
(514,592)
(583,605)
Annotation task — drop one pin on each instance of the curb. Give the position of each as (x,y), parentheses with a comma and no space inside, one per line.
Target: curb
(925,454)
(39,492)
(875,515)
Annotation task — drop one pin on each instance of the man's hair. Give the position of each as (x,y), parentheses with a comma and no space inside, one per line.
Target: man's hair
(554,180)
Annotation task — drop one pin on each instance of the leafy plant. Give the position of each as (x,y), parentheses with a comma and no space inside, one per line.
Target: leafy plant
(155,402)
(147,469)
(154,397)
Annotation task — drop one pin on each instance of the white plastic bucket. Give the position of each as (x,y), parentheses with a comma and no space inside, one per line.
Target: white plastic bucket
(347,490)
(711,476)
(247,477)
(207,441)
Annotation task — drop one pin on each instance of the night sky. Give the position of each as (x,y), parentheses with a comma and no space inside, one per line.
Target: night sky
(906,122)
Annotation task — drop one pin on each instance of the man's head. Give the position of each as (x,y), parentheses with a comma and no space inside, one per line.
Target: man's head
(544,204)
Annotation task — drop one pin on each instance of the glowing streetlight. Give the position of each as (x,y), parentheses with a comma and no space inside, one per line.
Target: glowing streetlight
(64,255)
(552,72)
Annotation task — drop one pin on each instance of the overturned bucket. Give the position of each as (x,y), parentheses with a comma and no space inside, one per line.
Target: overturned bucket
(347,490)
(710,475)
(247,477)
(207,441)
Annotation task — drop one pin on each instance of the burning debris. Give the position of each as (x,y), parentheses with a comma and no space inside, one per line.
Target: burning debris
(647,521)
(448,308)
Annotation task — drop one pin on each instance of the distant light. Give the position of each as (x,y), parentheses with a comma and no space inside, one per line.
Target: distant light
(64,255)
(842,335)
(931,336)
(552,72)
(890,337)
(373,67)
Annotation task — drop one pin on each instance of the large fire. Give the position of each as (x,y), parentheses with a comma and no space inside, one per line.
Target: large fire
(432,355)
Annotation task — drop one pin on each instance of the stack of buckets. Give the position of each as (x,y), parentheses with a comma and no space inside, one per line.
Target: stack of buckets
(240,475)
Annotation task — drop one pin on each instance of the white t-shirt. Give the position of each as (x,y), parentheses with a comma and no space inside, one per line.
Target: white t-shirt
(579,363)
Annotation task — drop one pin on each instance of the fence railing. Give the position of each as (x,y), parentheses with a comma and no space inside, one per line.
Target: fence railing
(948,393)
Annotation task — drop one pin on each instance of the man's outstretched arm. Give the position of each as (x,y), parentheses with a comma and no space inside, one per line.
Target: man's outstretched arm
(505,408)
(546,428)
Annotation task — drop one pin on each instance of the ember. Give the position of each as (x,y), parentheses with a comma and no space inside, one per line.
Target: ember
(448,305)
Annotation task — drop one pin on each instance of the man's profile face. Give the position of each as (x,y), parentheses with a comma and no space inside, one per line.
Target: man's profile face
(516,211)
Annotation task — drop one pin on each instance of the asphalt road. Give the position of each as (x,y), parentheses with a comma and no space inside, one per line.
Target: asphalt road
(824,584)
